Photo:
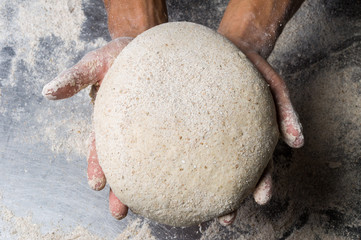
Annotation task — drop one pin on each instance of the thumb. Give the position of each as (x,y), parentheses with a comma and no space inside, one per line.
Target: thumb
(90,70)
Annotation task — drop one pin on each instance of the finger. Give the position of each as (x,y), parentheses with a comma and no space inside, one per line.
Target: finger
(96,177)
(228,219)
(263,192)
(116,207)
(89,70)
(290,126)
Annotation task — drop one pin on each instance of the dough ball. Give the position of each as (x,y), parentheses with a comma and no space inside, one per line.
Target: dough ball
(184,125)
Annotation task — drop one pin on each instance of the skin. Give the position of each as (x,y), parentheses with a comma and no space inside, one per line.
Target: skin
(130,18)
(252,25)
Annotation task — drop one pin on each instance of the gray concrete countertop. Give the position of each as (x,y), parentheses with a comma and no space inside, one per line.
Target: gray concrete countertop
(43,188)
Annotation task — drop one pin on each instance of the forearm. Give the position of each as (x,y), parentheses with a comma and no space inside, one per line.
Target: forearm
(132,17)
(256,24)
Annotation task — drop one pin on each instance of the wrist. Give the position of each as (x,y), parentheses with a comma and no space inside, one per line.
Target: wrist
(254,25)
(130,18)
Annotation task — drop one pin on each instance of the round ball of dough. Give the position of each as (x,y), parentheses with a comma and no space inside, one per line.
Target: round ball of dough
(184,125)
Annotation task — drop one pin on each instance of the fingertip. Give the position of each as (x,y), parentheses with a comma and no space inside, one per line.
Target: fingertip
(299,141)
(47,91)
(228,219)
(59,88)
(262,197)
(263,191)
(96,183)
(293,136)
(119,215)
(291,127)
(116,207)
(96,177)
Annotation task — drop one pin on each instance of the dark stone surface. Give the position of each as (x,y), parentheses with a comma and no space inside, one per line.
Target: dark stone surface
(95,25)
(6,55)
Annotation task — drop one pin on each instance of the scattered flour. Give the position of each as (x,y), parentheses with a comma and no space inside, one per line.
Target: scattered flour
(137,230)
(48,47)
(24,228)
(62,19)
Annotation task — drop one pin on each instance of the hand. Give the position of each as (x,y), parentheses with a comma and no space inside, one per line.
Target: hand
(90,70)
(125,18)
(254,26)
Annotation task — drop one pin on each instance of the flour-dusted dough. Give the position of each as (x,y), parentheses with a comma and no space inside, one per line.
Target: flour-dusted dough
(184,125)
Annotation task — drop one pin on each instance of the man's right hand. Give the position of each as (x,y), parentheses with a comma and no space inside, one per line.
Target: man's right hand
(90,70)
(125,18)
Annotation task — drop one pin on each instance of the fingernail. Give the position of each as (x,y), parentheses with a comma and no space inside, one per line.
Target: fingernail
(48,90)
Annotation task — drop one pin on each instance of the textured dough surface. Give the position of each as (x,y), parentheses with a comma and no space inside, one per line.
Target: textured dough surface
(184,125)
